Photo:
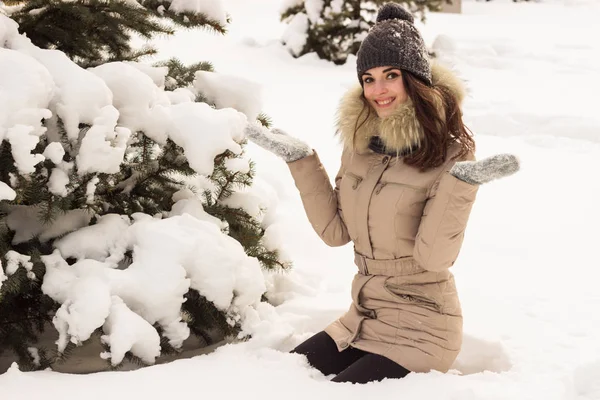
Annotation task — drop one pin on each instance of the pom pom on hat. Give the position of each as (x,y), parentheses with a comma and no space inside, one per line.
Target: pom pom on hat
(394,11)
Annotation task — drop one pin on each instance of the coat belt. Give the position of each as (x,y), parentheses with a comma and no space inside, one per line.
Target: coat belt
(393,267)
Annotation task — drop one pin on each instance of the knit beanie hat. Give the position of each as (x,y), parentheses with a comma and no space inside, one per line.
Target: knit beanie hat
(394,41)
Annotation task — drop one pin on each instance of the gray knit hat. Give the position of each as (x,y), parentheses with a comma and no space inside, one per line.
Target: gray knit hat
(394,41)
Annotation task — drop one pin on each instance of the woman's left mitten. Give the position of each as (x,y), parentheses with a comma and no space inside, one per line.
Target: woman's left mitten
(487,169)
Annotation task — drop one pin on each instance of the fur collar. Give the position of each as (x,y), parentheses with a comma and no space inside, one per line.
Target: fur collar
(398,132)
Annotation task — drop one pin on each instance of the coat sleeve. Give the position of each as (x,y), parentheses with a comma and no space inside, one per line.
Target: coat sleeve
(320,199)
(445,216)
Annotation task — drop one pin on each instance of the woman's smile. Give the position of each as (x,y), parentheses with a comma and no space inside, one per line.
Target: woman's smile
(386,102)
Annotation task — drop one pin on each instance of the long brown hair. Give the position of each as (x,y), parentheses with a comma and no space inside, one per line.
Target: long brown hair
(438,111)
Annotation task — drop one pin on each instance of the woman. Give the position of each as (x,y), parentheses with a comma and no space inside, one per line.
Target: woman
(403,196)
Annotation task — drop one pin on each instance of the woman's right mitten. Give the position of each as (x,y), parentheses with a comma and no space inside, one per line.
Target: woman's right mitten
(278,142)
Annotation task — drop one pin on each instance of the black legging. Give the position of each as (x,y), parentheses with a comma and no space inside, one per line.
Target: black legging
(351,365)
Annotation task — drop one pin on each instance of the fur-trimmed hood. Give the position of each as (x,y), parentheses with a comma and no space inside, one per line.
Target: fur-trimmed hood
(399,131)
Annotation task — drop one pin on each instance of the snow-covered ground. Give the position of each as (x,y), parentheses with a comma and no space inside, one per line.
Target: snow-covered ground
(528,272)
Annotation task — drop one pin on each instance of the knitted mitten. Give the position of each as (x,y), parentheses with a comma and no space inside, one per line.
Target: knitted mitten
(278,142)
(486,170)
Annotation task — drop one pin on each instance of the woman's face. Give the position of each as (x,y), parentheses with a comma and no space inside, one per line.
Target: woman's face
(384,89)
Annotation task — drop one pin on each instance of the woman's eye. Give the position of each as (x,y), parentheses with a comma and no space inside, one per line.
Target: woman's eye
(367,80)
(392,75)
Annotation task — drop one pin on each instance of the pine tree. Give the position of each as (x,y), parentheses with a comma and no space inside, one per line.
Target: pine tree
(148,178)
(334,29)
(93,32)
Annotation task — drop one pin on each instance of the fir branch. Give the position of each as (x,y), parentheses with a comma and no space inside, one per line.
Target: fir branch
(165,345)
(134,55)
(62,357)
(265,120)
(291,11)
(205,320)
(24,312)
(225,190)
(180,76)
(7,162)
(65,26)
(184,19)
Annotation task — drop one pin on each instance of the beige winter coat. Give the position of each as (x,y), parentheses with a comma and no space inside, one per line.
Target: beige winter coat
(407,228)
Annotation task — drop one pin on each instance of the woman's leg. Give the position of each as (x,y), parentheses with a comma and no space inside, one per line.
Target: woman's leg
(371,367)
(322,354)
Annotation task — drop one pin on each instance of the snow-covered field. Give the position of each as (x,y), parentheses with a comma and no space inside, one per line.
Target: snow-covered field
(528,273)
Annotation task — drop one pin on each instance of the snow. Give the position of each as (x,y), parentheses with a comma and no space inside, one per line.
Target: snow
(157,74)
(230,91)
(86,307)
(23,140)
(14,260)
(91,189)
(142,105)
(258,200)
(238,165)
(24,221)
(94,241)
(8,28)
(59,179)
(79,96)
(54,152)
(32,86)
(205,133)
(35,355)
(527,274)
(286,4)
(116,100)
(127,331)
(170,256)
(21,113)
(213,9)
(204,247)
(295,35)
(274,239)
(180,95)
(313,9)
(6,192)
(103,146)
(3,276)
(192,205)
(336,6)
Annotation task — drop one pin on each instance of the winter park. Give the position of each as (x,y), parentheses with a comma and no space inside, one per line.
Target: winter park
(321,199)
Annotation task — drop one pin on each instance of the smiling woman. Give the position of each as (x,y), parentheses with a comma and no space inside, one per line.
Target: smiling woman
(403,196)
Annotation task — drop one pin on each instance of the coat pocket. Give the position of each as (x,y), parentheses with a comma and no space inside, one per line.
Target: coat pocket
(354,179)
(412,202)
(404,198)
(409,205)
(407,294)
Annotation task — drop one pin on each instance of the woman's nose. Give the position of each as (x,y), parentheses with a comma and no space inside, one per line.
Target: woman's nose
(380,88)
